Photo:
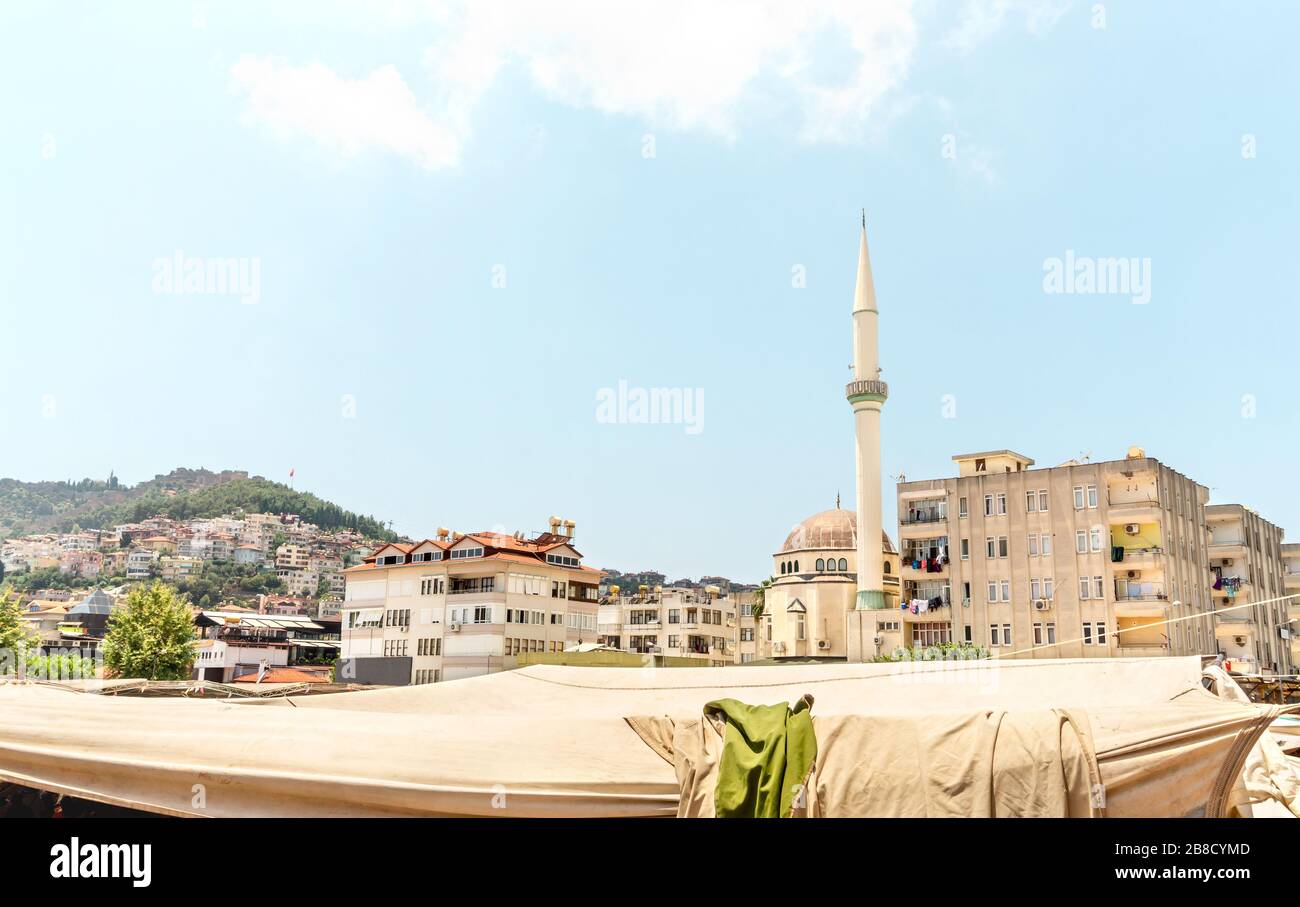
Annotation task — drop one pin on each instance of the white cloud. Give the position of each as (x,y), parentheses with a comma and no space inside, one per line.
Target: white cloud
(825,66)
(684,64)
(349,116)
(983,18)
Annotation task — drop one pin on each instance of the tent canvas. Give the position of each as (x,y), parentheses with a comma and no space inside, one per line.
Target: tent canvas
(567,741)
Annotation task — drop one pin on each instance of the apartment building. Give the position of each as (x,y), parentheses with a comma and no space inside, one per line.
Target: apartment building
(1247,569)
(460,605)
(1082,560)
(707,623)
(1291,587)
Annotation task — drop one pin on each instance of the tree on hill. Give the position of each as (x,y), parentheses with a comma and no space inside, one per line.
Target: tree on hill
(15,637)
(151,636)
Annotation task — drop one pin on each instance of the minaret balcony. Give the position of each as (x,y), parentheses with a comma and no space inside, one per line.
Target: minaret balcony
(857,391)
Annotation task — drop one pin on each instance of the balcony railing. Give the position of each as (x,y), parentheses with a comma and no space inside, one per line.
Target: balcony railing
(1128,591)
(925,515)
(1135,498)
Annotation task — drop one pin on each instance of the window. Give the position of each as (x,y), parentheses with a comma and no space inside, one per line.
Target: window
(993,591)
(800,628)
(466,552)
(1045,543)
(961,508)
(1042,501)
(1002,546)
(965,593)
(1033,544)
(1096,538)
(1098,590)
(1092,496)
(1048,592)
(1081,541)
(821,565)
(1085,590)
(1051,634)
(562,560)
(844,565)
(1087,634)
(990,547)
(1101,633)
(980,465)
(995,635)
(965,549)
(988,505)
(1031,502)
(674,616)
(1038,634)
(966,633)
(1002,502)
(1078,497)
(1006,590)
(1034,589)
(482,615)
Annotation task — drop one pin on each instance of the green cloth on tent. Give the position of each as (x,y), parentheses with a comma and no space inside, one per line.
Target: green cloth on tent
(767,752)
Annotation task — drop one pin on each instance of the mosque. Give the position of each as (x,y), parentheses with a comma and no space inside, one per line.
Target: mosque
(833,594)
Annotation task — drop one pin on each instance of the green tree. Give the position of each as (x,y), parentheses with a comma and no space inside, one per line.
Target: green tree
(15,637)
(759,608)
(151,636)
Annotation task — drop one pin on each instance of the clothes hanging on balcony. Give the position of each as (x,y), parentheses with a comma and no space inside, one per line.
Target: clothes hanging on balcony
(920,605)
(1218,581)
(936,602)
(1117,553)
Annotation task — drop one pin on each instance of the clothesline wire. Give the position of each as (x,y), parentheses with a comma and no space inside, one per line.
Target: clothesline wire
(1161,623)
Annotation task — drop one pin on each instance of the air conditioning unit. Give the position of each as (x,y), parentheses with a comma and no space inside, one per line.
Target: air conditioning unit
(453,627)
(1132,528)
(823,643)
(1134,574)
(1227,562)
(1239,640)
(1041,604)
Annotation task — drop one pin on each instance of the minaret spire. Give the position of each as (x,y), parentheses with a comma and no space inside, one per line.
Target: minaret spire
(867,394)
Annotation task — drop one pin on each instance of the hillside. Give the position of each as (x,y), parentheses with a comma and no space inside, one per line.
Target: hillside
(29,507)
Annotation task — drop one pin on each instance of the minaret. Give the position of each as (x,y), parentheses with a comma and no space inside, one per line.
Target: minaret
(867,393)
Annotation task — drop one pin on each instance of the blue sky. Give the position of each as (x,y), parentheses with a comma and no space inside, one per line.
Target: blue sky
(382,163)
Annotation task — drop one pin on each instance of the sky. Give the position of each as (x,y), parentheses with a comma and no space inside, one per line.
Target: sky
(458,229)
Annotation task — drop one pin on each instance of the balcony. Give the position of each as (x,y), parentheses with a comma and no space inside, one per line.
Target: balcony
(1134,591)
(924,572)
(1134,506)
(1139,558)
(856,390)
(1226,547)
(923,515)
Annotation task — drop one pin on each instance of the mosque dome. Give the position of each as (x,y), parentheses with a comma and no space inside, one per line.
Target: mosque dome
(834,528)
